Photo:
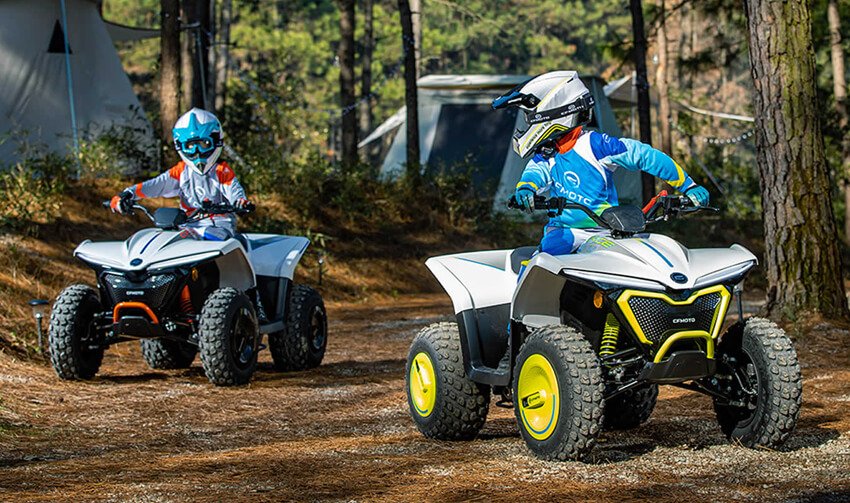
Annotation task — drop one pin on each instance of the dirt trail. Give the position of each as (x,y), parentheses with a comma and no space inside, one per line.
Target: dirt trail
(342,432)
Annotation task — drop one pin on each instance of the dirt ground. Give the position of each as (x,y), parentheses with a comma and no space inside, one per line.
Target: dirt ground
(342,432)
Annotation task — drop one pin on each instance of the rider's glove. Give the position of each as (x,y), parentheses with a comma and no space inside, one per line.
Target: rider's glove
(242,203)
(525,198)
(122,203)
(698,195)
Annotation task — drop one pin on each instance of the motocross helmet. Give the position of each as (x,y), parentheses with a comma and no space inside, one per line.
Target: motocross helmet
(554,104)
(199,139)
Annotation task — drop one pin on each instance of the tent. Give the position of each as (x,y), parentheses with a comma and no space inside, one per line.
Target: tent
(458,129)
(35,88)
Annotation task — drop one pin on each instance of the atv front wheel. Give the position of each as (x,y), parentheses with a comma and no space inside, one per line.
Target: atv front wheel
(558,394)
(444,403)
(228,337)
(631,408)
(75,351)
(758,367)
(165,354)
(301,345)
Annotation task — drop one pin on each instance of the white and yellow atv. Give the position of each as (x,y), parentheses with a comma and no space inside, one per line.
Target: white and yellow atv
(581,342)
(181,296)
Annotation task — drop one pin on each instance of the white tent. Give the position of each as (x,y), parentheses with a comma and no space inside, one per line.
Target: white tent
(35,89)
(457,127)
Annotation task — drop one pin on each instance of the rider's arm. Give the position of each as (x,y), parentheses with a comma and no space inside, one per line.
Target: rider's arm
(230,186)
(536,175)
(636,156)
(166,184)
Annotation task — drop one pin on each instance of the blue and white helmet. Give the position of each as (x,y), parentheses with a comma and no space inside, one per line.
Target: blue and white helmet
(554,104)
(199,139)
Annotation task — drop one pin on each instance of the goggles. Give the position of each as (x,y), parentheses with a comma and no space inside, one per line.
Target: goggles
(197,147)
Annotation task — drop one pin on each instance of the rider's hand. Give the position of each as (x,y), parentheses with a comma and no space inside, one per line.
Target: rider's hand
(698,195)
(525,198)
(242,203)
(122,203)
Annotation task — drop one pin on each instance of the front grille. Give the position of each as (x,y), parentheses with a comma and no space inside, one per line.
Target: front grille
(153,290)
(658,319)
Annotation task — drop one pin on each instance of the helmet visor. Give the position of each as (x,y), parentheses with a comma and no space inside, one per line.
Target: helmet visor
(197,147)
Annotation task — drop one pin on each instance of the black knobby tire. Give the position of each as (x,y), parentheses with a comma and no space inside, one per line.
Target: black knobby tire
(228,337)
(301,345)
(580,386)
(775,377)
(165,354)
(631,408)
(75,351)
(461,405)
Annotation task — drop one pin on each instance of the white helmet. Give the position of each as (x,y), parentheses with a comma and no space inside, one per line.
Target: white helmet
(199,139)
(554,103)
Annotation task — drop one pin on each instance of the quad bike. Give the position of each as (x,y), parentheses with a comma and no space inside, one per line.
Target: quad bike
(180,296)
(581,342)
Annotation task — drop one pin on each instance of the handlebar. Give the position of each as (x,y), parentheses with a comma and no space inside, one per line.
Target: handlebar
(660,207)
(206,210)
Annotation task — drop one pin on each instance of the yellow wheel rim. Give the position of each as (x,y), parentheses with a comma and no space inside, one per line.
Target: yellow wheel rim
(537,397)
(423,384)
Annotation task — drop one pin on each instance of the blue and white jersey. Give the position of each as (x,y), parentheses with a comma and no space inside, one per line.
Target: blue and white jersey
(584,174)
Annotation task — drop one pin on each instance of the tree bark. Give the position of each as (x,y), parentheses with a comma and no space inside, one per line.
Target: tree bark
(408,45)
(202,62)
(416,21)
(222,62)
(801,239)
(644,120)
(661,81)
(187,57)
(346,83)
(839,89)
(366,70)
(169,74)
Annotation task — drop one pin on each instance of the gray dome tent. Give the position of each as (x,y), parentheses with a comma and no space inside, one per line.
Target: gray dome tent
(34,85)
(457,127)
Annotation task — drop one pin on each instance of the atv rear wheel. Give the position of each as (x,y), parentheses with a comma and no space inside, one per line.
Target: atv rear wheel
(165,354)
(228,337)
(444,403)
(75,351)
(631,408)
(557,392)
(301,345)
(759,366)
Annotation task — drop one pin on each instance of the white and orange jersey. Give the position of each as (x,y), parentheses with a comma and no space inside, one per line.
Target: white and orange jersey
(218,185)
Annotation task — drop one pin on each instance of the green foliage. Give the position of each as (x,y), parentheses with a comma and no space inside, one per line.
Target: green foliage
(30,191)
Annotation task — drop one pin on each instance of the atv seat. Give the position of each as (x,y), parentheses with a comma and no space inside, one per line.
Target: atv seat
(520,255)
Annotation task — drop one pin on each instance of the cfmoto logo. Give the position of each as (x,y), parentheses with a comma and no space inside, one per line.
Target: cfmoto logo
(572,178)
(684,320)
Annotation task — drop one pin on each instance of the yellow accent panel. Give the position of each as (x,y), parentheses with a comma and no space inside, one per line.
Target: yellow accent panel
(537,397)
(423,384)
(677,183)
(549,131)
(532,184)
(716,322)
(689,334)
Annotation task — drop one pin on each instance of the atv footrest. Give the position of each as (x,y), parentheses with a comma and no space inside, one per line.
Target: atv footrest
(136,327)
(678,367)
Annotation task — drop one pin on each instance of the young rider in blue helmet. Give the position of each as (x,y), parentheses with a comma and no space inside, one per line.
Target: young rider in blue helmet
(198,177)
(576,164)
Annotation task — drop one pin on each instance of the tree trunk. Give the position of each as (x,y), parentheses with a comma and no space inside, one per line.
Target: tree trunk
(202,61)
(644,121)
(346,83)
(222,62)
(839,88)
(408,45)
(366,70)
(662,83)
(169,74)
(187,49)
(416,21)
(801,240)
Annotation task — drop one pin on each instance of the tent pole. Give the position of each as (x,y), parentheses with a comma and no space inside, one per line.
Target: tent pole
(70,88)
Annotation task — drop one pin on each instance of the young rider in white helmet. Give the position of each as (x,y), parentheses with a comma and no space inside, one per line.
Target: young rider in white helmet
(577,164)
(199,177)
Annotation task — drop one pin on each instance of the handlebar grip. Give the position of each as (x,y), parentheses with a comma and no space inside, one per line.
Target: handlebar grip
(106,204)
